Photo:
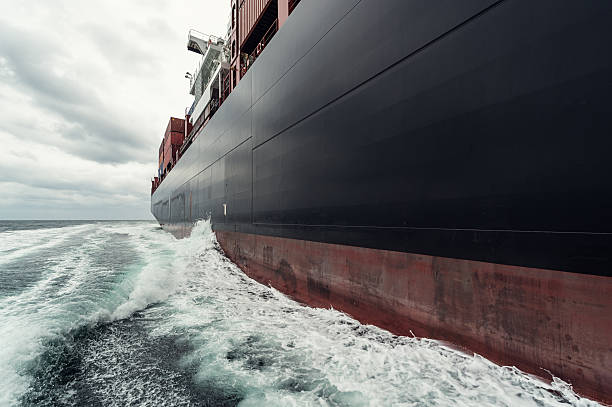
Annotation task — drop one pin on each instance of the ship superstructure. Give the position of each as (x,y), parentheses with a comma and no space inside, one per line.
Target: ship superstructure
(436,168)
(252,25)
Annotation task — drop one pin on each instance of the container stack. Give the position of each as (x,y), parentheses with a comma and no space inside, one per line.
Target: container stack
(173,140)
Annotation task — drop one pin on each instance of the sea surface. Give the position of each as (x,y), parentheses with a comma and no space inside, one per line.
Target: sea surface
(124,314)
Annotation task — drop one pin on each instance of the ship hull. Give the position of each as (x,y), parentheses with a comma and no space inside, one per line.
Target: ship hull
(533,319)
(449,158)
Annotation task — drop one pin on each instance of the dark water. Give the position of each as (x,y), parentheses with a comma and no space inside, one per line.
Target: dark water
(121,313)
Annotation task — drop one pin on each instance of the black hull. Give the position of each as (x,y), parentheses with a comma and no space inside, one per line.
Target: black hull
(476,130)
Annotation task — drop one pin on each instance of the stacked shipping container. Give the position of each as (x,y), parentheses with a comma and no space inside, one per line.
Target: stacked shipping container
(172,142)
(170,147)
(249,13)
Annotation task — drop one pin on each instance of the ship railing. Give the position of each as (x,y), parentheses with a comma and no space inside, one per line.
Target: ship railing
(199,42)
(202,44)
(249,60)
(189,109)
(212,107)
(206,67)
(206,37)
(225,86)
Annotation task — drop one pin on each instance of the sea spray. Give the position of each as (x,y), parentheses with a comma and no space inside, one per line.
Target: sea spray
(124,313)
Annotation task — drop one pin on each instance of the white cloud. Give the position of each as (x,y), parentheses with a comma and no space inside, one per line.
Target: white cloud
(86,89)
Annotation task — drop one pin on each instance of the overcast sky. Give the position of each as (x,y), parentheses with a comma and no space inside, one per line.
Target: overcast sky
(86,90)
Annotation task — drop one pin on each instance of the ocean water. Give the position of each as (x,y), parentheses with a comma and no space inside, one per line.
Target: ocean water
(122,313)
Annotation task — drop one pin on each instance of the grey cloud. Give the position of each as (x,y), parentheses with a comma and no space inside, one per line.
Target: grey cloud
(156,27)
(49,181)
(23,154)
(32,203)
(121,52)
(104,140)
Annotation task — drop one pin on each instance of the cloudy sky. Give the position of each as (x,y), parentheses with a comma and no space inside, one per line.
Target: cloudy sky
(86,90)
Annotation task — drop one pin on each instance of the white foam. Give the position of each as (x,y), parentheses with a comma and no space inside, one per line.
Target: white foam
(245,335)
(163,275)
(331,358)
(90,293)
(21,243)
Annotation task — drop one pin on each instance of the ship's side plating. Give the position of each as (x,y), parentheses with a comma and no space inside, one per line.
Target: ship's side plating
(463,141)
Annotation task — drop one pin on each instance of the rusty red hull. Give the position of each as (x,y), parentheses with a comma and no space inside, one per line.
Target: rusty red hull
(526,317)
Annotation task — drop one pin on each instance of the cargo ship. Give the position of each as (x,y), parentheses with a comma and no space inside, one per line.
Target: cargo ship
(439,168)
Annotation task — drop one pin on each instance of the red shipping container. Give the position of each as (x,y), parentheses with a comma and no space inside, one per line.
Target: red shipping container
(176,138)
(249,13)
(170,154)
(175,125)
(161,153)
(167,158)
